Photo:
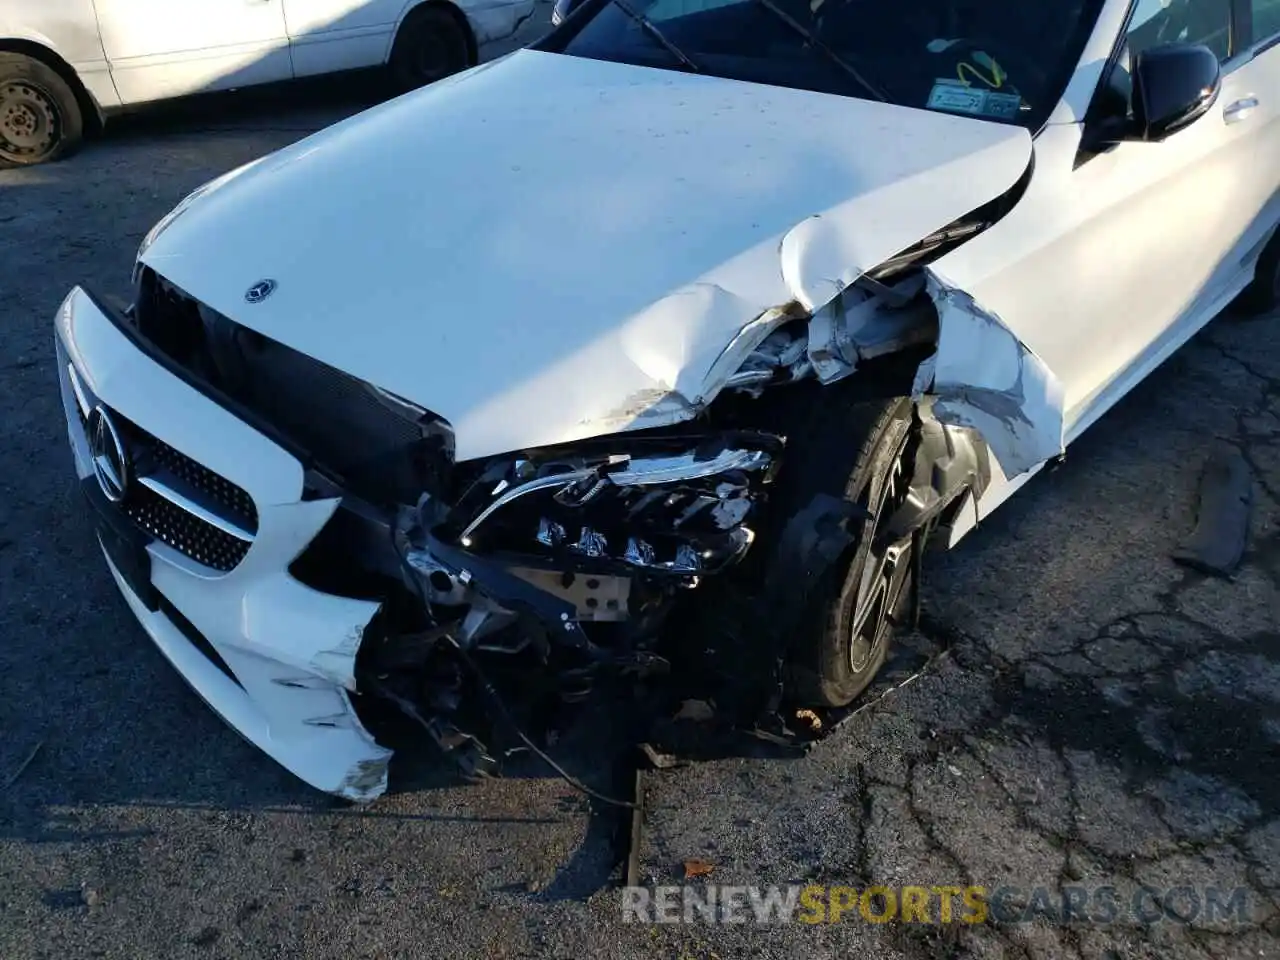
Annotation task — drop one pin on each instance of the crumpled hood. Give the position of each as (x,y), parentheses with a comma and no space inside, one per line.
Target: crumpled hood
(547,248)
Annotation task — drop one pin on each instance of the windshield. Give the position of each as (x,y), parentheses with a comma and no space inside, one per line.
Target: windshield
(1001,60)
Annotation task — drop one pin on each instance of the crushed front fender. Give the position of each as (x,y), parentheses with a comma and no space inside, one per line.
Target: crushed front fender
(984,378)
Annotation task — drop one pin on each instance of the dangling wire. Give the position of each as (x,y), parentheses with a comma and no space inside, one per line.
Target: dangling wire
(494,698)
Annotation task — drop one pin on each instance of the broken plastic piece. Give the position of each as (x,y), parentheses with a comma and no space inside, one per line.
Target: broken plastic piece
(949,462)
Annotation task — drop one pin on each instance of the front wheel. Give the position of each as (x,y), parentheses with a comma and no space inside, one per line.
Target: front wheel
(40,119)
(845,637)
(431,45)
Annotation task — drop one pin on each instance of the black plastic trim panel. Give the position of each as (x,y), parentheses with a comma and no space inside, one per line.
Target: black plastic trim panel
(236,409)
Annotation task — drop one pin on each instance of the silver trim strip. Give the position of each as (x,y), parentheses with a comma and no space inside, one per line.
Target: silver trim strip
(78,389)
(652,470)
(515,493)
(161,489)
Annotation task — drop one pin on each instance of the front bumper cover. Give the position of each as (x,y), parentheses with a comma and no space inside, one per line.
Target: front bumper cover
(291,649)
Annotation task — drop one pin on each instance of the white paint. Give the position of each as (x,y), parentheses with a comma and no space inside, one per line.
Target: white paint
(497,19)
(1084,81)
(589,281)
(135,51)
(330,35)
(1105,268)
(1108,239)
(326,33)
(267,626)
(984,378)
(68,30)
(66,27)
(159,48)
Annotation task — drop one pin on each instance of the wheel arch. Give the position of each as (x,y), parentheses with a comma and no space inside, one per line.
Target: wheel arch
(459,17)
(89,107)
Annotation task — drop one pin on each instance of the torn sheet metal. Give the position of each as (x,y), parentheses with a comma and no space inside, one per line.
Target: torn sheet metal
(819,260)
(677,358)
(867,321)
(983,377)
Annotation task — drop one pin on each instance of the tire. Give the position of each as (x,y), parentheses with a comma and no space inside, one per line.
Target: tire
(1263,294)
(431,45)
(40,118)
(856,451)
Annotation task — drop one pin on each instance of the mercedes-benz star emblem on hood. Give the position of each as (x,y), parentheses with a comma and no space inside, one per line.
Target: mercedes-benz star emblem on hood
(260,291)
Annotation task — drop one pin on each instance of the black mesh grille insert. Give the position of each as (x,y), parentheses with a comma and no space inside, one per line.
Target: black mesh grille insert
(217,487)
(170,523)
(185,532)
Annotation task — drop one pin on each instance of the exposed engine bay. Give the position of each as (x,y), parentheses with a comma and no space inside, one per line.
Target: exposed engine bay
(513,582)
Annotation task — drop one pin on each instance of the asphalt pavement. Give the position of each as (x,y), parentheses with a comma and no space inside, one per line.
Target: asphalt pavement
(1092,716)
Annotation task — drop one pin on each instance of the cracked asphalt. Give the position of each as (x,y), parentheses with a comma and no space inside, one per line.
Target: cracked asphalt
(1091,716)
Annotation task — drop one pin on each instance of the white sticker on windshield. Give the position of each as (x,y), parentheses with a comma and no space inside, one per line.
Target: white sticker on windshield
(958,97)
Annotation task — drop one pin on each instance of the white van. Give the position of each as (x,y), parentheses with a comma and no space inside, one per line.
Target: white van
(66,64)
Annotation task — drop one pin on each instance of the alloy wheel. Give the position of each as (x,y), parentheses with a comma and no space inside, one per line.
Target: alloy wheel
(886,568)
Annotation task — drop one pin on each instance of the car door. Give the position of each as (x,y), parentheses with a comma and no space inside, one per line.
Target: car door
(169,48)
(1261,108)
(1116,254)
(330,35)
(1166,224)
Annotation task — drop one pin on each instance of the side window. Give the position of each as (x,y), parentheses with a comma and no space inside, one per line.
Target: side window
(1266,20)
(1184,21)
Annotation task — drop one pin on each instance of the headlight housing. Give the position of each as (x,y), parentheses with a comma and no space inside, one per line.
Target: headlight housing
(676,506)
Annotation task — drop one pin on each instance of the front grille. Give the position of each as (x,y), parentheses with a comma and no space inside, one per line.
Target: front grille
(214,485)
(169,521)
(367,443)
(185,532)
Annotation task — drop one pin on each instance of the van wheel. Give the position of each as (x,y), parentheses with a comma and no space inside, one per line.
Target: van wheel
(40,119)
(431,45)
(1263,294)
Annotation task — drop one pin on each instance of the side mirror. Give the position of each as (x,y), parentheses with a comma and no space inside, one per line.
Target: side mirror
(1174,85)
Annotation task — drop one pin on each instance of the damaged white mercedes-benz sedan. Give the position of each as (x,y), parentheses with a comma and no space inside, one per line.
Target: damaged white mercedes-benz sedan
(671,340)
